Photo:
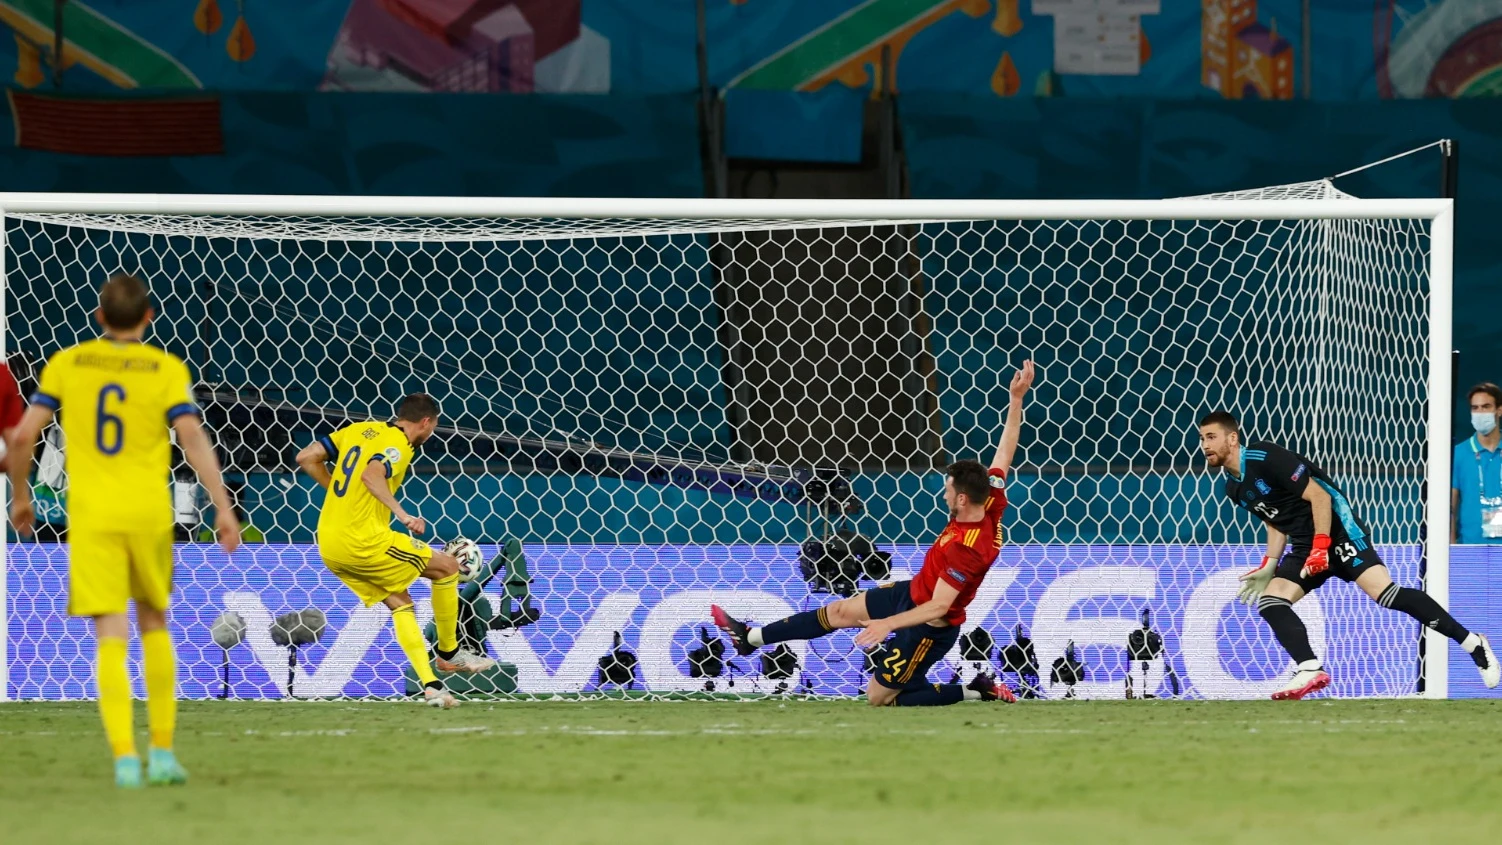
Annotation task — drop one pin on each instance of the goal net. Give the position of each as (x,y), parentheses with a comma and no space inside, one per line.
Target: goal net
(649,406)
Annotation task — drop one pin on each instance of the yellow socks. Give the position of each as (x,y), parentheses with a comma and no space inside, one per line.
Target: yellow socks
(115,704)
(114,696)
(161,686)
(446,613)
(409,637)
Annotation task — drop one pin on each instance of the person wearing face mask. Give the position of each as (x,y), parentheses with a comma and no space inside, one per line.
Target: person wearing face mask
(1476,478)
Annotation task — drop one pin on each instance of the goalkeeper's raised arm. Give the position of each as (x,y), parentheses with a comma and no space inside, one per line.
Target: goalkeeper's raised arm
(1013,430)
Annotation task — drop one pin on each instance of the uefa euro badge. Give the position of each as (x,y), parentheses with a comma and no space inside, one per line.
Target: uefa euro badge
(1491,518)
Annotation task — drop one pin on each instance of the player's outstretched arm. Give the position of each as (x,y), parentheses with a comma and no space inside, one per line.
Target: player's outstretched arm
(877,630)
(199,452)
(1013,430)
(374,479)
(314,460)
(22,446)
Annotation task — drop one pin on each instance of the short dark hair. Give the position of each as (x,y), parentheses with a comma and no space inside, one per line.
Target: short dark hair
(1489,389)
(417,407)
(1222,419)
(124,301)
(971,479)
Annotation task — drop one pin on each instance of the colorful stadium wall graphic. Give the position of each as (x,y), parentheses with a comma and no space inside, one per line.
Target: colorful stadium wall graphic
(1234,49)
(1447,48)
(511,46)
(1241,58)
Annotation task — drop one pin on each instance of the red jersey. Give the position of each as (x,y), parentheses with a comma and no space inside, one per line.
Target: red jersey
(963,554)
(12,406)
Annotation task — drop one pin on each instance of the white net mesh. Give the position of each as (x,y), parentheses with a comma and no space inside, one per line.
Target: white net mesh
(1319,189)
(415,230)
(655,414)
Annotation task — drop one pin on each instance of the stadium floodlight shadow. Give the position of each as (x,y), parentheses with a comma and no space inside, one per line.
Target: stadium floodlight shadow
(294,630)
(228,631)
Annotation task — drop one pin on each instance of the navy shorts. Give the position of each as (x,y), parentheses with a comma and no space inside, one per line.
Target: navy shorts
(1348,559)
(906,658)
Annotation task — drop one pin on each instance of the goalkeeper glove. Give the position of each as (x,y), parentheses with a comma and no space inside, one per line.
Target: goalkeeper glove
(1255,581)
(1319,556)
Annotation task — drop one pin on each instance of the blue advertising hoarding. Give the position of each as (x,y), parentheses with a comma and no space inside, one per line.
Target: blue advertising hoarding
(658,597)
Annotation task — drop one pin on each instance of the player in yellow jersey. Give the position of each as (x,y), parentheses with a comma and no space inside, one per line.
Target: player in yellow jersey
(357,543)
(117,397)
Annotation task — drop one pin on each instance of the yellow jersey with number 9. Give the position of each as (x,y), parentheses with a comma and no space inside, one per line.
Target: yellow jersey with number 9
(116,400)
(353,521)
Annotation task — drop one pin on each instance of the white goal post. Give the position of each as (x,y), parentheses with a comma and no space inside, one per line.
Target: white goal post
(646,394)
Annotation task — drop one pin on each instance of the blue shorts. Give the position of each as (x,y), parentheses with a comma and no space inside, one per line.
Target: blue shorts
(906,658)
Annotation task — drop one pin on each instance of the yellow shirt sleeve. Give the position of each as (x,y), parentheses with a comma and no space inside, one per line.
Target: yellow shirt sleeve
(395,453)
(333,443)
(177,385)
(51,386)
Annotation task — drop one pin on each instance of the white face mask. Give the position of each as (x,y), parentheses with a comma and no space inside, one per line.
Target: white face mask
(1484,423)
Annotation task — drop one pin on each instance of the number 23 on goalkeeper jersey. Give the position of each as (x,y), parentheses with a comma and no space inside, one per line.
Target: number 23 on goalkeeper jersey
(353,523)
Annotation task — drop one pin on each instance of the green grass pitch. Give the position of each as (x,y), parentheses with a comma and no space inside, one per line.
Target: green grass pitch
(766,771)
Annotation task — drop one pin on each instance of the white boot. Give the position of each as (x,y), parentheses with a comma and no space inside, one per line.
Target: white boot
(464,661)
(1310,678)
(1486,660)
(440,698)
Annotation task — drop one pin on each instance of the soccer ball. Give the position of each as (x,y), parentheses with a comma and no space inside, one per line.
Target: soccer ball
(469,555)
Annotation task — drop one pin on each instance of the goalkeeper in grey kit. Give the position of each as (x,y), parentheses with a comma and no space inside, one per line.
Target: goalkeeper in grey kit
(1302,507)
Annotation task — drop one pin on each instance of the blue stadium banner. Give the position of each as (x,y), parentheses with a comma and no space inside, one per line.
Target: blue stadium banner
(658,597)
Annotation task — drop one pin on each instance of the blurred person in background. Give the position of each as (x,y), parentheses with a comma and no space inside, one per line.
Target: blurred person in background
(1476,477)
